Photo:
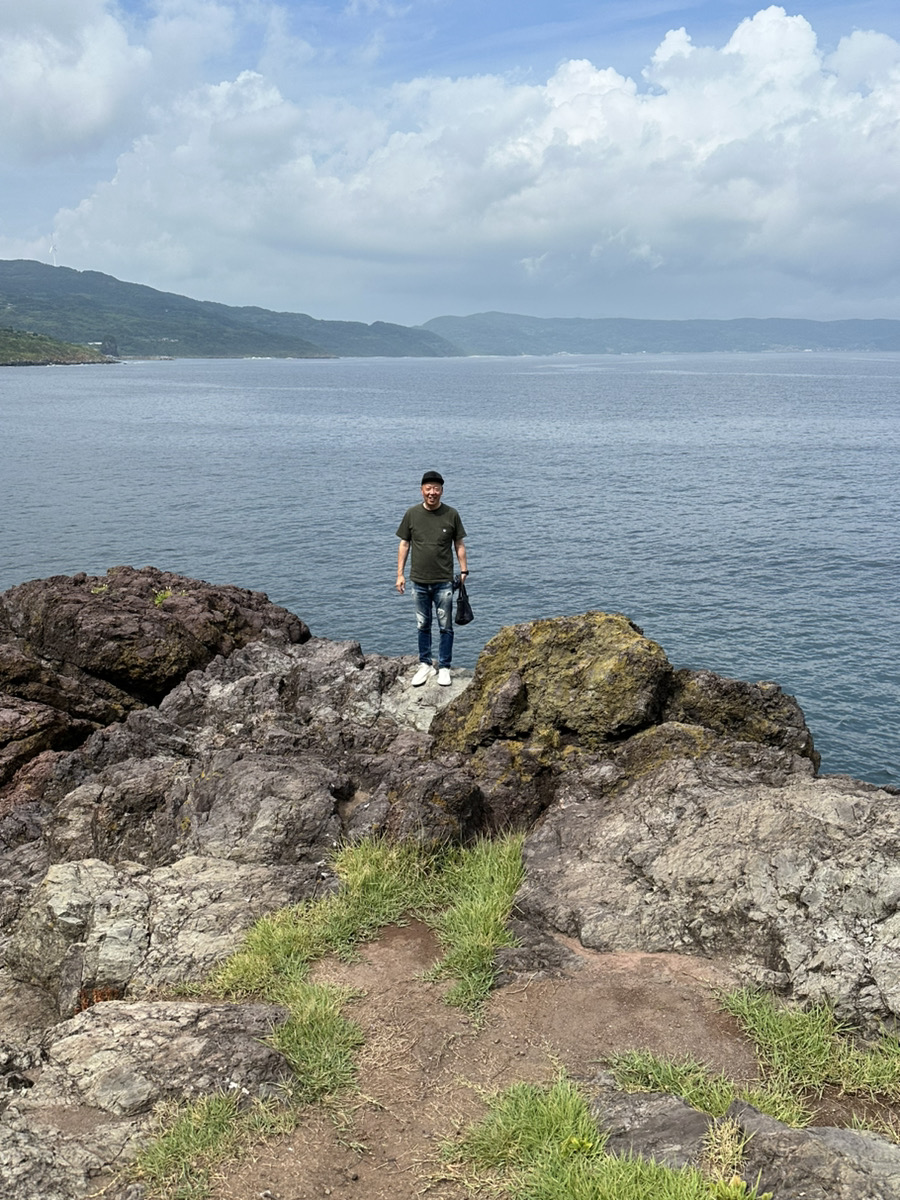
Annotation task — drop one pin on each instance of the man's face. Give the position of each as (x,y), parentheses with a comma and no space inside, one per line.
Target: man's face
(431,494)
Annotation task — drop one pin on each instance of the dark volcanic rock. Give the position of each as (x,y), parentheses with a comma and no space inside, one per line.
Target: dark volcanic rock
(141,630)
(818,1163)
(752,712)
(80,652)
(791,1164)
(187,758)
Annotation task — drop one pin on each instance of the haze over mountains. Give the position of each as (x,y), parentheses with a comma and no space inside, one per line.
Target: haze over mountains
(509,333)
(88,307)
(131,320)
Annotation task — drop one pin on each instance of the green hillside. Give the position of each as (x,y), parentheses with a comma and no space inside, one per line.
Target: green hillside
(510,333)
(87,306)
(18,349)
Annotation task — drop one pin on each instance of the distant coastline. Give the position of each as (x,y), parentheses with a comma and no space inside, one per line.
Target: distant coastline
(22,348)
(95,318)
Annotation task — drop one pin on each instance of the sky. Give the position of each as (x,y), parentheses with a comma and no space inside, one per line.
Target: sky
(400,160)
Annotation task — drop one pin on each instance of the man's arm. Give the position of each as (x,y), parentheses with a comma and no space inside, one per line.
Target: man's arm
(402,555)
(460,548)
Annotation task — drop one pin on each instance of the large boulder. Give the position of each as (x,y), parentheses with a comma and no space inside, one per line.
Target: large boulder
(80,652)
(587,695)
(224,804)
(737,852)
(141,630)
(588,679)
(93,931)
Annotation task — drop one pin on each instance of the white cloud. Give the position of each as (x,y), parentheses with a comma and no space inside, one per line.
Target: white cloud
(184,34)
(758,167)
(68,74)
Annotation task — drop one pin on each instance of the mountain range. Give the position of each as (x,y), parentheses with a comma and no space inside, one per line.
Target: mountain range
(132,320)
(509,333)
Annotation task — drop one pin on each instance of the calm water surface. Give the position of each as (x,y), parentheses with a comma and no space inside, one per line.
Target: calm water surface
(740,508)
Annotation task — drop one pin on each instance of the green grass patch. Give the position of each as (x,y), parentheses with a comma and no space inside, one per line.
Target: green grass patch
(641,1071)
(541,1143)
(811,1049)
(478,886)
(800,1052)
(464,894)
(195,1139)
(705,1090)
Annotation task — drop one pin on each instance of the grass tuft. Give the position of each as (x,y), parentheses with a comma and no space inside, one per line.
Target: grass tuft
(810,1049)
(478,885)
(194,1139)
(800,1053)
(542,1144)
(317,1040)
(641,1071)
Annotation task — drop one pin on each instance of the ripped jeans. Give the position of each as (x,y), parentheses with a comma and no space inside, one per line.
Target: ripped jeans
(441,596)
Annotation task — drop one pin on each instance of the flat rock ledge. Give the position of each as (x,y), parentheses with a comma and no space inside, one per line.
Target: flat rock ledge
(818,1163)
(89,1108)
(177,759)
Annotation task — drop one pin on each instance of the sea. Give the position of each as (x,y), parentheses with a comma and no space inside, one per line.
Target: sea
(740,508)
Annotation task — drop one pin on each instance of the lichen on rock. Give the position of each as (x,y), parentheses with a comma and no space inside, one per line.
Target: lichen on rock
(589,679)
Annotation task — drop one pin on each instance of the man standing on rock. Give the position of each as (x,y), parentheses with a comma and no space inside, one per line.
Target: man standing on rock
(433,530)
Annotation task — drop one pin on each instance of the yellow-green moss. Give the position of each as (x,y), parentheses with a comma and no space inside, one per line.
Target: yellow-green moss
(589,678)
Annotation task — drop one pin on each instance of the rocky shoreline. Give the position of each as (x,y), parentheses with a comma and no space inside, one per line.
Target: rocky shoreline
(177,759)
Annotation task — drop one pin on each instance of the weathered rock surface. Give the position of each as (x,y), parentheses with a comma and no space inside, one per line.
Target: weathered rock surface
(93,929)
(77,653)
(797,879)
(793,1164)
(88,1111)
(818,1163)
(217,754)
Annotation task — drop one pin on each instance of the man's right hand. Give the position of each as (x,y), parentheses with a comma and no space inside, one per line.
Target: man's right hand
(401,584)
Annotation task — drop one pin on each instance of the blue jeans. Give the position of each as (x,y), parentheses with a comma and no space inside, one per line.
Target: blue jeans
(441,596)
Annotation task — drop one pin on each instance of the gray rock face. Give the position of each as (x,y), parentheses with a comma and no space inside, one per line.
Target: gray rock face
(793,877)
(89,1111)
(229,753)
(818,1163)
(792,1164)
(660,1128)
(96,931)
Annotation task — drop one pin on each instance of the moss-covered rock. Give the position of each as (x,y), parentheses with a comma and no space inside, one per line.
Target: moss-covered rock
(586,680)
(749,712)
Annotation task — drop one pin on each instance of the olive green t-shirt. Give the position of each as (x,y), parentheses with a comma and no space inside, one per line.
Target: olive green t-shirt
(431,536)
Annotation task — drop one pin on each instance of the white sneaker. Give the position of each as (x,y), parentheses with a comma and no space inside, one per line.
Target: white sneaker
(444,676)
(425,671)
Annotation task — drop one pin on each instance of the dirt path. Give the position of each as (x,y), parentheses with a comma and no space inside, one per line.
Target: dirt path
(425,1067)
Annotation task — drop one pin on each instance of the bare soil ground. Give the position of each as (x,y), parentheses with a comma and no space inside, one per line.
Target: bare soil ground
(425,1067)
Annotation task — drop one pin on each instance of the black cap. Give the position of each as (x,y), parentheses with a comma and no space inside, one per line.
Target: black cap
(432,477)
